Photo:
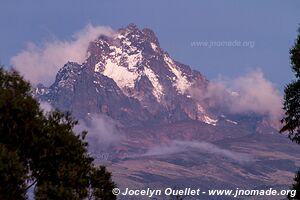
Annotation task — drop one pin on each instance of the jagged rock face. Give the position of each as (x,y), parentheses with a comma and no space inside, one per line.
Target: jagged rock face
(130,78)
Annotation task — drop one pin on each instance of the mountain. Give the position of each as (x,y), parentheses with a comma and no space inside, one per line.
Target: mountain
(129,78)
(169,137)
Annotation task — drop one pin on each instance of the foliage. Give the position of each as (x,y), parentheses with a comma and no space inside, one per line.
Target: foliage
(296,186)
(42,151)
(12,175)
(100,180)
(292,107)
(292,97)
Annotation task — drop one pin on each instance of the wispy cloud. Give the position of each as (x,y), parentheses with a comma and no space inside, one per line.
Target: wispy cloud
(45,106)
(249,93)
(203,147)
(102,131)
(40,63)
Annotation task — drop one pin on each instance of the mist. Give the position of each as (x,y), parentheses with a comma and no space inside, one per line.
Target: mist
(249,93)
(102,130)
(40,63)
(203,147)
(45,106)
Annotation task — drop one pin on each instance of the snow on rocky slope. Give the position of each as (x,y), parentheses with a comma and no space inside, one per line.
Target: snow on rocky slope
(130,78)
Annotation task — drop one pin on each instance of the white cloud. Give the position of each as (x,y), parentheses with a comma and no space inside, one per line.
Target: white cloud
(45,106)
(40,63)
(102,130)
(203,147)
(249,93)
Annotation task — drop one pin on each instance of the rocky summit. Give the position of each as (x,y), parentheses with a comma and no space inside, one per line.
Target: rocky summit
(129,78)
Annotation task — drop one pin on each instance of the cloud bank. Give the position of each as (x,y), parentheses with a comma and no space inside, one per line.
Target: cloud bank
(45,106)
(203,147)
(249,93)
(40,63)
(102,130)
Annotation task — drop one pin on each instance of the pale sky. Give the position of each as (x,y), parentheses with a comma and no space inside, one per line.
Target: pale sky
(270,25)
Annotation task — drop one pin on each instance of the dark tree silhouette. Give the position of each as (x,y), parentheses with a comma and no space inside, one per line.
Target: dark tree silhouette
(291,121)
(42,151)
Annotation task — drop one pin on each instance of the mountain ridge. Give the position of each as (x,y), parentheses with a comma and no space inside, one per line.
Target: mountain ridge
(130,62)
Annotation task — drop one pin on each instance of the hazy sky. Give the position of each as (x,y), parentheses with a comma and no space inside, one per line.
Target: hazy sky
(271,25)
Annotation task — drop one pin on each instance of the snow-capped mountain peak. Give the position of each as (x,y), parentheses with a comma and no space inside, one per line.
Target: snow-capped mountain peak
(130,54)
(131,65)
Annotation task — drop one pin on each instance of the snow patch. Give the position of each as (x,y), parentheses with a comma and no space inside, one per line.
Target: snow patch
(121,75)
(157,87)
(122,65)
(97,67)
(200,108)
(181,82)
(206,119)
(98,83)
(154,46)
(209,120)
(115,50)
(133,60)
(230,121)
(128,47)
(233,93)
(120,36)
